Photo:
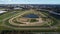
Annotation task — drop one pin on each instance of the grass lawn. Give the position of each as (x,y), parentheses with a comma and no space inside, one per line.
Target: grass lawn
(33,20)
(53,18)
(9,14)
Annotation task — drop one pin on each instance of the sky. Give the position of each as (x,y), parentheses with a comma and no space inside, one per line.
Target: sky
(29,1)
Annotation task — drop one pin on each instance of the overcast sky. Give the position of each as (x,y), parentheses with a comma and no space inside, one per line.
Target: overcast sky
(29,1)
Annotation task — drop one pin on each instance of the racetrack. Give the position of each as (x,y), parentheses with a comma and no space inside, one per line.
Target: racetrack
(19,14)
(11,20)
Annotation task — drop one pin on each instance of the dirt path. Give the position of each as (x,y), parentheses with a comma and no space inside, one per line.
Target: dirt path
(17,15)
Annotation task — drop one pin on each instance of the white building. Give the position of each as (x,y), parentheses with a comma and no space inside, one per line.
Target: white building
(17,8)
(2,11)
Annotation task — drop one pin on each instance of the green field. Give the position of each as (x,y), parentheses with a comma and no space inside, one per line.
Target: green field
(4,23)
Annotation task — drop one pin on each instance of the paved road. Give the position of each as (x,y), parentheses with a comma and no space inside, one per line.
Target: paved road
(51,12)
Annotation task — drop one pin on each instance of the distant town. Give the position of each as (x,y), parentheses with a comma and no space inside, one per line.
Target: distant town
(55,8)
